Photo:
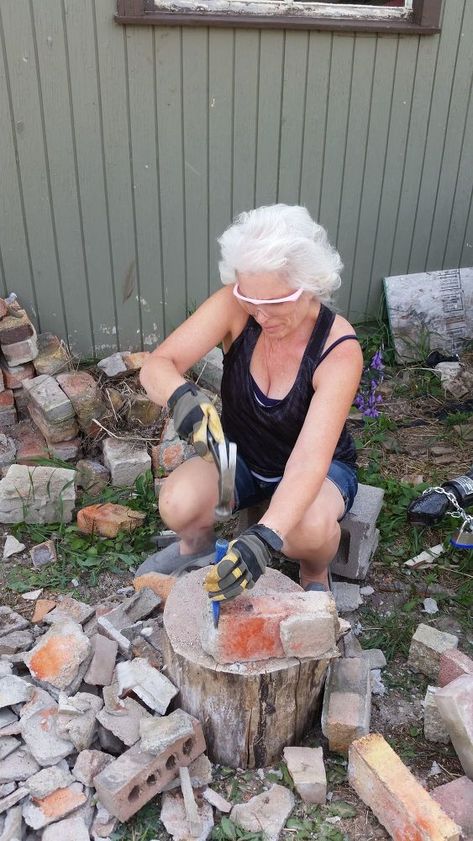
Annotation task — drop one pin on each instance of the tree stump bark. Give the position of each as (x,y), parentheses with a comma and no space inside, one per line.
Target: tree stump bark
(249,711)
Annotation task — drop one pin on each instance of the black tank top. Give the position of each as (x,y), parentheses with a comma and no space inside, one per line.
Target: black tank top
(266,435)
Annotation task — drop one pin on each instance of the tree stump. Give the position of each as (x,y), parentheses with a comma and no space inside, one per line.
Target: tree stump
(249,711)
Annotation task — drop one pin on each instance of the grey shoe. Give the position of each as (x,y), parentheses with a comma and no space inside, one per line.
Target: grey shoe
(169,561)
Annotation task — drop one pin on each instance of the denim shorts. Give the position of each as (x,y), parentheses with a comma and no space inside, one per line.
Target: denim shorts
(250,491)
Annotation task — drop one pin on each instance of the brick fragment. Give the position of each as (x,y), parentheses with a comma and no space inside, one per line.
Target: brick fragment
(154,688)
(180,822)
(49,398)
(43,554)
(31,444)
(455,703)
(157,582)
(108,519)
(88,764)
(85,396)
(53,355)
(57,656)
(48,780)
(55,432)
(306,767)
(427,646)
(20,353)
(122,718)
(41,608)
(453,664)
(125,460)
(41,812)
(102,665)
(70,608)
(456,800)
(18,766)
(65,450)
(135,361)
(92,476)
(346,707)
(133,779)
(266,812)
(13,376)
(158,734)
(434,727)
(399,802)
(15,328)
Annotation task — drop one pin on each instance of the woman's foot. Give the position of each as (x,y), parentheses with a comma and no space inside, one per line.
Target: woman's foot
(316,582)
(170,561)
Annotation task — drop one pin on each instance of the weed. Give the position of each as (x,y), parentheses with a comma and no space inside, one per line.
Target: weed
(456,418)
(144,826)
(392,634)
(229,831)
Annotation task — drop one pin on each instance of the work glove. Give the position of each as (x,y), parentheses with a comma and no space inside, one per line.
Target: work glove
(244,562)
(194,417)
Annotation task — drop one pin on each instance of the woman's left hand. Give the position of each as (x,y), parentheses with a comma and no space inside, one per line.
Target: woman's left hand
(244,562)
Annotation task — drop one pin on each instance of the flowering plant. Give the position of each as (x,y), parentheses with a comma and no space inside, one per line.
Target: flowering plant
(368,399)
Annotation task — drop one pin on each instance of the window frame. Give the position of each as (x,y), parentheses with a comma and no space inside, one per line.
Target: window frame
(425,19)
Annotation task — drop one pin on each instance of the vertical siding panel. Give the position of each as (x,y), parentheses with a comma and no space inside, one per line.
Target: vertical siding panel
(355,162)
(441,101)
(195,110)
(32,155)
(245,98)
(220,109)
(453,142)
(466,258)
(14,244)
(416,140)
(292,116)
(79,22)
(170,134)
(398,128)
(375,162)
(112,88)
(59,138)
(147,296)
(462,198)
(336,134)
(269,113)
(320,47)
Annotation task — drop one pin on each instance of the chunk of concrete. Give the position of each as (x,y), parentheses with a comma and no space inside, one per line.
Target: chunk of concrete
(175,818)
(7,745)
(122,718)
(12,546)
(58,655)
(68,608)
(15,642)
(434,727)
(11,621)
(12,799)
(131,610)
(346,707)
(48,780)
(154,688)
(266,812)
(347,596)
(455,703)
(427,647)
(375,657)
(88,764)
(72,829)
(307,769)
(40,734)
(217,801)
(102,665)
(19,766)
(14,690)
(80,726)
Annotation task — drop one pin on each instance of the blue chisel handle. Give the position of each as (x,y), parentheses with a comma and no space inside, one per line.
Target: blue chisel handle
(221,546)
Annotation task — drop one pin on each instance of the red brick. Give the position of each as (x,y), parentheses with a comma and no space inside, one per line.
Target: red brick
(41,608)
(171,455)
(30,443)
(401,805)
(456,800)
(84,394)
(453,664)
(46,810)
(53,356)
(108,519)
(136,777)
(55,433)
(14,329)
(14,376)
(7,400)
(157,582)
(135,361)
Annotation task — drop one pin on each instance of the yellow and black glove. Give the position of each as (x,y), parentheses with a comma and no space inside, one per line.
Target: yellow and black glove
(194,416)
(245,561)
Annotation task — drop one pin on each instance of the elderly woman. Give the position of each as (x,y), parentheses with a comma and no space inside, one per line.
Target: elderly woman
(291,370)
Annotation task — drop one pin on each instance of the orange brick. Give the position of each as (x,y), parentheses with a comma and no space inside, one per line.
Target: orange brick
(58,654)
(135,361)
(401,805)
(59,803)
(31,444)
(42,608)
(108,519)
(157,582)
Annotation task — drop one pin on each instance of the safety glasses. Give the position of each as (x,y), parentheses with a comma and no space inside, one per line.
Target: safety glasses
(264,301)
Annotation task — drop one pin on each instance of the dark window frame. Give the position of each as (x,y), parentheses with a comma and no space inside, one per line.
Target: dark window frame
(425,19)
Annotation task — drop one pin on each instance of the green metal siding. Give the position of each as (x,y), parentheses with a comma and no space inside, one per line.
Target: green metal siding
(125,152)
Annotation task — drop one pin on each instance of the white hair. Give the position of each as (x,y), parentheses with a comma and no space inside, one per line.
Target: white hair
(284,239)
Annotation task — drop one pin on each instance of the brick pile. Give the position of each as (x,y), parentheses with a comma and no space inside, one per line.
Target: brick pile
(86,738)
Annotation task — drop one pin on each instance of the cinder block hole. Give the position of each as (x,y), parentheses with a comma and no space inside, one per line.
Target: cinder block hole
(170,762)
(152,780)
(187,746)
(134,793)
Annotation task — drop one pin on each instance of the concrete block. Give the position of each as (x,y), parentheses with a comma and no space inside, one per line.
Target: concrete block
(49,398)
(58,654)
(434,727)
(427,646)
(108,519)
(37,495)
(455,703)
(135,777)
(126,461)
(346,707)
(43,811)
(266,813)
(456,800)
(359,534)
(151,686)
(102,665)
(399,802)
(453,664)
(307,769)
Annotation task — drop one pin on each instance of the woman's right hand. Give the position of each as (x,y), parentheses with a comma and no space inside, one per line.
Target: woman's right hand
(194,417)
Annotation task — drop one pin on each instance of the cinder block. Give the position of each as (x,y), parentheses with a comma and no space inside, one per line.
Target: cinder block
(453,664)
(359,534)
(135,777)
(346,710)
(401,805)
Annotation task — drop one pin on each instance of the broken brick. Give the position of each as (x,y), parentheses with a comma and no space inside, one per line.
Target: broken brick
(121,717)
(41,608)
(41,812)
(399,802)
(176,819)
(73,829)
(266,812)
(19,353)
(14,376)
(52,356)
(70,608)
(57,656)
(48,780)
(15,328)
(102,665)
(135,361)
(85,396)
(31,445)
(456,800)
(455,702)
(427,646)
(55,432)
(108,519)
(135,777)
(43,553)
(158,734)
(92,476)
(306,767)
(346,707)
(453,664)
(125,460)
(157,582)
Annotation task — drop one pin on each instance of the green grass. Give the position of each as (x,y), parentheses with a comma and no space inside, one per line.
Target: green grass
(144,826)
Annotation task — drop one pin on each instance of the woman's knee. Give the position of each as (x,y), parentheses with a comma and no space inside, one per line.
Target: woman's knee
(189,493)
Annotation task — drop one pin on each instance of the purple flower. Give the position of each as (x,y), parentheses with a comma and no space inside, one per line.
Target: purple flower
(367,399)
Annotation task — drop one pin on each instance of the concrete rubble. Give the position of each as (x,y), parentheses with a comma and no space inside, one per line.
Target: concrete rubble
(266,812)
